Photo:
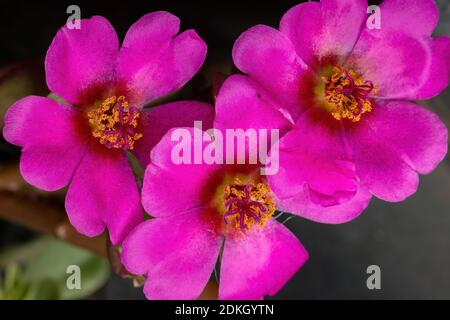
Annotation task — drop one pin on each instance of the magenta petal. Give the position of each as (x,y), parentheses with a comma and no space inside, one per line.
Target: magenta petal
(418,17)
(401,57)
(328,28)
(51,137)
(242,104)
(171,189)
(79,59)
(157,121)
(398,63)
(267,55)
(260,262)
(177,254)
(314,156)
(439,71)
(301,204)
(153,61)
(302,24)
(104,193)
(394,143)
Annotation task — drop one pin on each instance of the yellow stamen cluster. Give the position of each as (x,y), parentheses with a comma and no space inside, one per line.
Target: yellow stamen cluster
(248,204)
(114,123)
(347,94)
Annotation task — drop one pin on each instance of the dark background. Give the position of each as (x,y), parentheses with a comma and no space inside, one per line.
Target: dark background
(410,241)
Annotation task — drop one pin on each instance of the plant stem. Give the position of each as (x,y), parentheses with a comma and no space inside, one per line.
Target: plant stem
(45,218)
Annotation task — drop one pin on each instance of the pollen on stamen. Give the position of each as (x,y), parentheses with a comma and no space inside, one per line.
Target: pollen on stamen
(115,124)
(347,95)
(248,204)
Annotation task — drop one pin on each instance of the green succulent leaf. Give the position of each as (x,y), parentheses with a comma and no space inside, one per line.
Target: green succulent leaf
(44,272)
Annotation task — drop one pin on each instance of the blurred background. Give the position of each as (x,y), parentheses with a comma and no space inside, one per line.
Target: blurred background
(409,241)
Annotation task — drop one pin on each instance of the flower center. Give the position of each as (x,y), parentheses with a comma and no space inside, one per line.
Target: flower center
(247,204)
(115,124)
(347,95)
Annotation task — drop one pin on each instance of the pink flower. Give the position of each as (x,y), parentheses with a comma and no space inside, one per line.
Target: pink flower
(346,91)
(83,143)
(204,213)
